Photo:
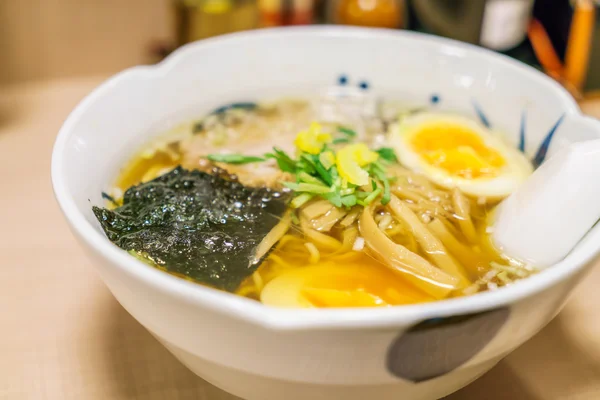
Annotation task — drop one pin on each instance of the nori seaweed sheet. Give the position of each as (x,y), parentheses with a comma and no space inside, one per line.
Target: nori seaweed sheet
(200,225)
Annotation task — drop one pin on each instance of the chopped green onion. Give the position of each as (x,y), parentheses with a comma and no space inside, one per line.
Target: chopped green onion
(387,195)
(310,188)
(323,173)
(377,168)
(295,219)
(285,162)
(291,185)
(317,175)
(334,174)
(234,158)
(349,200)
(307,187)
(379,171)
(304,177)
(372,196)
(362,195)
(388,154)
(340,141)
(347,131)
(337,182)
(307,163)
(301,199)
(309,159)
(303,165)
(344,184)
(334,198)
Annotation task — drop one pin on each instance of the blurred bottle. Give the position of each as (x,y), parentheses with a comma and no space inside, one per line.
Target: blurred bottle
(286,12)
(200,19)
(301,12)
(573,30)
(505,23)
(320,11)
(372,13)
(497,24)
(271,13)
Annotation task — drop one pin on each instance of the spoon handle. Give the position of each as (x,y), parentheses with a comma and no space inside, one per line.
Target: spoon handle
(549,214)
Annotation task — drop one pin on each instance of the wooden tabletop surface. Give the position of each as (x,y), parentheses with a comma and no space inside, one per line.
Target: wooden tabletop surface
(63,336)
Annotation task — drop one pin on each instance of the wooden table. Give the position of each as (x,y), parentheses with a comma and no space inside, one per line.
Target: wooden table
(63,336)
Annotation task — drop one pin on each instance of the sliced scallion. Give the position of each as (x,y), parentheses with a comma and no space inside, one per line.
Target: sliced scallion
(307,187)
(301,199)
(323,173)
(372,196)
(234,158)
(347,131)
(306,178)
(340,141)
(388,154)
(334,198)
(349,200)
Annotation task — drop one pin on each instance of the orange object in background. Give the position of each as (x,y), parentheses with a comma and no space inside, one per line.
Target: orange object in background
(373,13)
(544,50)
(271,13)
(302,12)
(573,72)
(286,12)
(200,19)
(580,38)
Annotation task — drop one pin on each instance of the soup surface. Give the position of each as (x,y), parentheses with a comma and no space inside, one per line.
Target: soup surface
(324,202)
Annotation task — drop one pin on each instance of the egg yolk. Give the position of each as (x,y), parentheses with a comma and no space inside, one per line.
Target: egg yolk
(458,150)
(332,285)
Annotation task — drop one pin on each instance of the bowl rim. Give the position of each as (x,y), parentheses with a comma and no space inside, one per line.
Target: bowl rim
(301,319)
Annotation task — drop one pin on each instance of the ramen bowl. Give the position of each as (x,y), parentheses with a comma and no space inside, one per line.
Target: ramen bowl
(423,351)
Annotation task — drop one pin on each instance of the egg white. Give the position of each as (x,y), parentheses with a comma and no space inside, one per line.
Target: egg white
(516,169)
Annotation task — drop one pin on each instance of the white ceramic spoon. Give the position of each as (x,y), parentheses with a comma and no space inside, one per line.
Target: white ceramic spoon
(551,212)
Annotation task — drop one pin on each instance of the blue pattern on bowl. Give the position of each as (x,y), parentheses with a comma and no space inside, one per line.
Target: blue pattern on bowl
(522,131)
(540,156)
(484,120)
(344,80)
(244,105)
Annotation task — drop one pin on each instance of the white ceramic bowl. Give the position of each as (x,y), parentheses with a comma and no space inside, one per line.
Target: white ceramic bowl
(414,352)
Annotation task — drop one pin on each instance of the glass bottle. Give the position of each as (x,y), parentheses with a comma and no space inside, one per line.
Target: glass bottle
(271,13)
(301,12)
(205,18)
(373,13)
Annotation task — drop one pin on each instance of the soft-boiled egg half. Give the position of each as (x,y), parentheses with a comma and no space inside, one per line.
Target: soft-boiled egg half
(457,152)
